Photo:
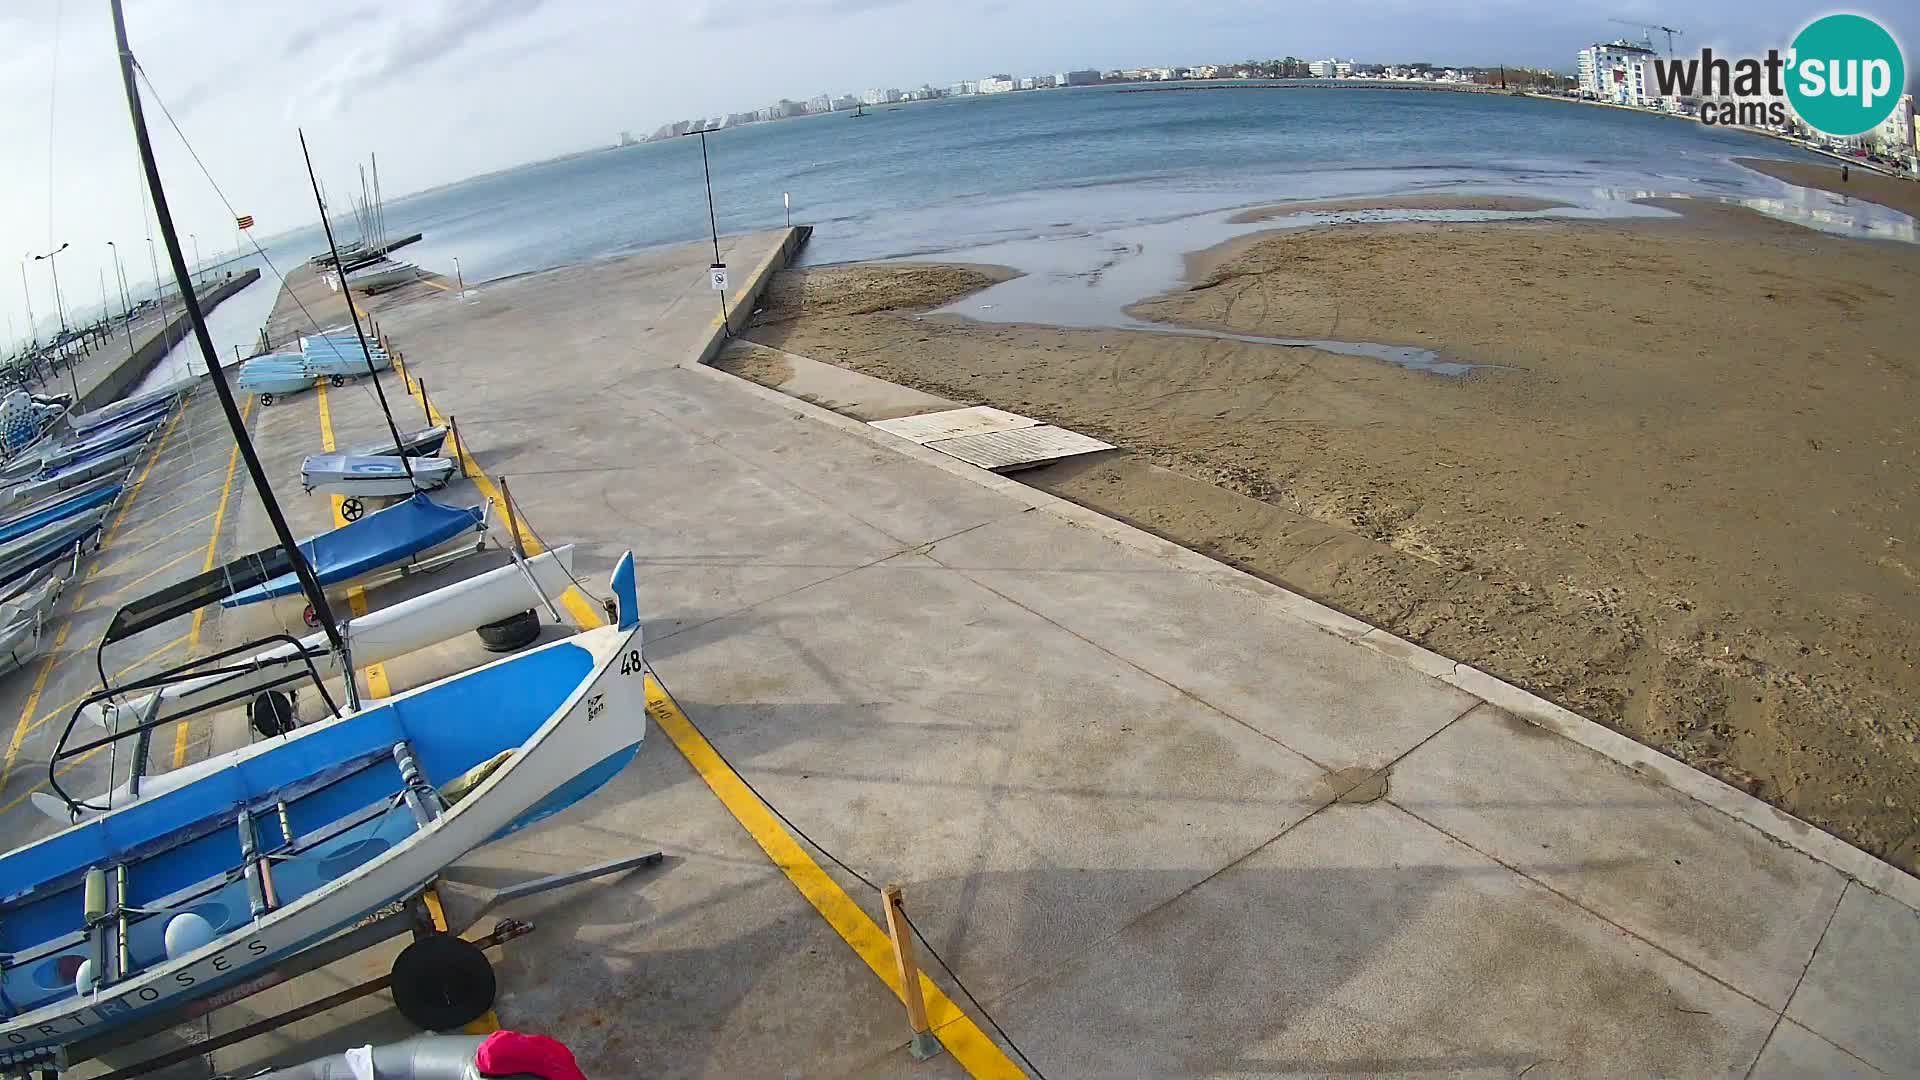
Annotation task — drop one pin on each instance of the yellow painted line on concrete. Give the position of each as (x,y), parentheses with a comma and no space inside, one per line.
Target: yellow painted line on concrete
(964,1039)
(66,707)
(434,285)
(181,731)
(33,699)
(970,1046)
(161,569)
(72,764)
(134,491)
(377,685)
(201,520)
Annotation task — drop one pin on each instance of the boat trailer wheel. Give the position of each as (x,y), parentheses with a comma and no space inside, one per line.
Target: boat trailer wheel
(266,400)
(351,508)
(309,616)
(271,713)
(442,982)
(337,380)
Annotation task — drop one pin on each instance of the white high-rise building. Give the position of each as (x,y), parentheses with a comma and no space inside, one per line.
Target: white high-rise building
(1619,71)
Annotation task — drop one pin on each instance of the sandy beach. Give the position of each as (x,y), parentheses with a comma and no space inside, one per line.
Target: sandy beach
(1685,503)
(1902,195)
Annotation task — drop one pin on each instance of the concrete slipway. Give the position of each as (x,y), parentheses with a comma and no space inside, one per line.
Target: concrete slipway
(1162,819)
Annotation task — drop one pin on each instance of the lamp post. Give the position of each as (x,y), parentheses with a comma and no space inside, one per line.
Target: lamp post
(58,304)
(713,229)
(197,273)
(126,304)
(32,331)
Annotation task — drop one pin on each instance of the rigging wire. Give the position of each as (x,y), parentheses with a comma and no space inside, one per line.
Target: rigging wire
(224,201)
(53,88)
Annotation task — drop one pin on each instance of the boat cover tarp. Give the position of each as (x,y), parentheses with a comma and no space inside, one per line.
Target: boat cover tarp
(59,510)
(379,539)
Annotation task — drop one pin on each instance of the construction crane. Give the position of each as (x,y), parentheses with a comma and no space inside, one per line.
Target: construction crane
(1647,29)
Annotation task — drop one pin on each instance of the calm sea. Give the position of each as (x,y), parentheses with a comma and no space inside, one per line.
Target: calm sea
(960,175)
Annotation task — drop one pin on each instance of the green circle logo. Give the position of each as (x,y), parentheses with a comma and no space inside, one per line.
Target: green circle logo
(1845,74)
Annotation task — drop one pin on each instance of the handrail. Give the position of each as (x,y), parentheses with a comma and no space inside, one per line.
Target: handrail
(193,669)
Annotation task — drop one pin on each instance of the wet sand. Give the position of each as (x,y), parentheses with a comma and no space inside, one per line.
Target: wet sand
(1691,512)
(1398,202)
(1892,192)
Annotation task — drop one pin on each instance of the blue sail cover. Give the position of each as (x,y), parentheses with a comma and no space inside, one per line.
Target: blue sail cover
(377,540)
(59,511)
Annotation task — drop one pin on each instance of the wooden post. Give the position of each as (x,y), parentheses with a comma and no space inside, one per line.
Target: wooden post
(513,523)
(460,448)
(924,1045)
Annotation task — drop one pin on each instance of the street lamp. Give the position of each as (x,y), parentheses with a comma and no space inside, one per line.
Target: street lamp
(196,255)
(58,304)
(713,229)
(32,331)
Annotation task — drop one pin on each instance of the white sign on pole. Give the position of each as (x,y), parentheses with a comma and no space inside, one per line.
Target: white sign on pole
(719,272)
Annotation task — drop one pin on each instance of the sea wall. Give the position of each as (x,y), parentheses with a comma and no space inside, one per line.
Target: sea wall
(115,383)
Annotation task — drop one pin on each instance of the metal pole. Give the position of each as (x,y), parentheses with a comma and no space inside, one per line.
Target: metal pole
(198,263)
(32,331)
(126,302)
(513,524)
(460,277)
(460,448)
(713,228)
(426,408)
(255,471)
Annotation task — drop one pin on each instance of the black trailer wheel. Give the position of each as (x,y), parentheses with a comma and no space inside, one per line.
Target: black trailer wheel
(441,982)
(266,400)
(513,632)
(337,380)
(271,713)
(352,508)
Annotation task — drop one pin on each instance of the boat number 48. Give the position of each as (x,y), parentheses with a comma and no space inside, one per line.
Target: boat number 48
(630,663)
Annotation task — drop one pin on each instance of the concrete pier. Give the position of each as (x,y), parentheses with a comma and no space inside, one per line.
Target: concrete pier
(1159,818)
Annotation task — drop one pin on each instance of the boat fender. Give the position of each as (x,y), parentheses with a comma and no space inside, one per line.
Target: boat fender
(186,932)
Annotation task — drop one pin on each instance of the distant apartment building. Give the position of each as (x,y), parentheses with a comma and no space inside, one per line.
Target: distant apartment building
(997,84)
(1896,132)
(1080,78)
(823,103)
(1322,69)
(1342,69)
(846,101)
(1618,71)
(964,88)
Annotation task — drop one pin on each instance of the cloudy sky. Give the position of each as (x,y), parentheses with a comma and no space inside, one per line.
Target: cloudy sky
(444,89)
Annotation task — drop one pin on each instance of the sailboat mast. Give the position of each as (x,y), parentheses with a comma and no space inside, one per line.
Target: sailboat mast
(346,294)
(321,609)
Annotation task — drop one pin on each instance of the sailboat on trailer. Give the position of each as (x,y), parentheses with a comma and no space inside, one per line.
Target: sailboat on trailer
(173,896)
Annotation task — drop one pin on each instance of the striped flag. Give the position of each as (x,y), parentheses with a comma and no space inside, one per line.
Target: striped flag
(244,221)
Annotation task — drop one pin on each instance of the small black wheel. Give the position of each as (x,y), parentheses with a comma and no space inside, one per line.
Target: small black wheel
(442,982)
(307,616)
(271,713)
(352,508)
(513,632)
(337,380)
(266,400)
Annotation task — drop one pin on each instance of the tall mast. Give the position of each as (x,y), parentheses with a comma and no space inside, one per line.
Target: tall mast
(346,293)
(321,609)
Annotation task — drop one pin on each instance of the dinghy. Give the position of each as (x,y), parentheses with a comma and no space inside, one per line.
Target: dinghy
(119,410)
(74,473)
(63,547)
(414,444)
(55,457)
(351,474)
(275,374)
(68,529)
(376,541)
(23,618)
(61,505)
(285,842)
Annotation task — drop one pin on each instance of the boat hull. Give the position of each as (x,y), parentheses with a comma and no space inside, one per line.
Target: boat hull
(600,724)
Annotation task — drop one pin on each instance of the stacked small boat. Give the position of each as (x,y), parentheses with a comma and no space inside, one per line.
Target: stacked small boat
(382,274)
(332,356)
(55,496)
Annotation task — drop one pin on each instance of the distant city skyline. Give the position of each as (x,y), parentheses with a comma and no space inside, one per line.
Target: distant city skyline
(448,89)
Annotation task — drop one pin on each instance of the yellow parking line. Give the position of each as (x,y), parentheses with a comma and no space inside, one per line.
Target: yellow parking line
(33,699)
(201,520)
(180,732)
(161,569)
(72,764)
(434,285)
(134,491)
(377,685)
(969,1045)
(964,1039)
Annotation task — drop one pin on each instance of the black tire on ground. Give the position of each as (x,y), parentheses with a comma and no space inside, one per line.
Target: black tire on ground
(337,380)
(441,982)
(271,713)
(266,400)
(513,632)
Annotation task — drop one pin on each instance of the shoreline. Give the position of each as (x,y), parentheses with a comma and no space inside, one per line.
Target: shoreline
(1626,529)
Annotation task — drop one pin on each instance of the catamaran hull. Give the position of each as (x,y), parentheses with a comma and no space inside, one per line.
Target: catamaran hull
(345,474)
(584,743)
(375,638)
(75,475)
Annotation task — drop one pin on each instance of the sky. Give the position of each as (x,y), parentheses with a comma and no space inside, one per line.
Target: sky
(445,89)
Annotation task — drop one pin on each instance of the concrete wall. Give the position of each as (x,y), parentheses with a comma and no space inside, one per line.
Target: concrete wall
(740,313)
(115,383)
